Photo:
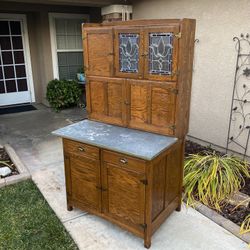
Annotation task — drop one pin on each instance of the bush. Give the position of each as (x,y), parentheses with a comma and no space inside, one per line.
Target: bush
(62,93)
(212,179)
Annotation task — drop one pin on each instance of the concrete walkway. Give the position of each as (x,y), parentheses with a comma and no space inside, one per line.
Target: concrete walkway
(29,134)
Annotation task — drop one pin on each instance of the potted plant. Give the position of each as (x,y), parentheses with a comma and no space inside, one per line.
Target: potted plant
(80,75)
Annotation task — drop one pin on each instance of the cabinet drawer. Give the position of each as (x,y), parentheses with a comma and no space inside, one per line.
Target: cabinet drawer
(124,161)
(79,148)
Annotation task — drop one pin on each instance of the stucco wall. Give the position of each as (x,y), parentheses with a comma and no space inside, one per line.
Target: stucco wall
(39,38)
(215,57)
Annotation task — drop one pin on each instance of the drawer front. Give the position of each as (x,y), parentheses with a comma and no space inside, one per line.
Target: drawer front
(124,161)
(80,149)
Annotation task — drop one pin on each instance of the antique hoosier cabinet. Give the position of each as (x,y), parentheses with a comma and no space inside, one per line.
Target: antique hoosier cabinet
(125,163)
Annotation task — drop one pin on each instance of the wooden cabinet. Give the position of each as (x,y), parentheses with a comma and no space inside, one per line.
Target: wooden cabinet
(146,55)
(139,75)
(134,193)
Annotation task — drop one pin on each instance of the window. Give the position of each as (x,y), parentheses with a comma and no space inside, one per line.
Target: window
(67,45)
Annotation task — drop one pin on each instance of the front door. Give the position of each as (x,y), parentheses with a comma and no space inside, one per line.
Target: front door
(14,80)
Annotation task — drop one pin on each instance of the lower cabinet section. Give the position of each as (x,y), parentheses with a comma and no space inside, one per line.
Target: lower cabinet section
(136,194)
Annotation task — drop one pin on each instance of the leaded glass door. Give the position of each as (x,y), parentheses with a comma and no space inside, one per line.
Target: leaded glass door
(160,53)
(14,87)
(128,52)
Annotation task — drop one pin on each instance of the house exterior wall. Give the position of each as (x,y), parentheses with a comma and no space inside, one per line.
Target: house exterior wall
(39,38)
(215,57)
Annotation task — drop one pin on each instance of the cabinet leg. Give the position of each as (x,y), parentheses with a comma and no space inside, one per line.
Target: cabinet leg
(147,243)
(178,209)
(147,238)
(69,207)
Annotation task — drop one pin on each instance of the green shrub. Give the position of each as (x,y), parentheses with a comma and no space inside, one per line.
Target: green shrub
(62,93)
(211,178)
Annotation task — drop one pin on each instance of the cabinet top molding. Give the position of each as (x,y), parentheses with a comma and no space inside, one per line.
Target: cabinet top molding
(139,22)
(132,142)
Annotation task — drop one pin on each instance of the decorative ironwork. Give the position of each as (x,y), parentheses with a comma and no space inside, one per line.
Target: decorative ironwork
(239,124)
(160,53)
(129,52)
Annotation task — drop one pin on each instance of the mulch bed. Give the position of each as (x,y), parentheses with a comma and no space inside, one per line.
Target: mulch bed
(5,157)
(236,215)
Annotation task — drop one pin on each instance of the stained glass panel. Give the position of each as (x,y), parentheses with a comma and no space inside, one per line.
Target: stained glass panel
(129,52)
(160,53)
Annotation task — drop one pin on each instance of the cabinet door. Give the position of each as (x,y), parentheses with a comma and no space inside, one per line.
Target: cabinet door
(98,51)
(128,52)
(105,100)
(85,182)
(160,53)
(152,106)
(124,195)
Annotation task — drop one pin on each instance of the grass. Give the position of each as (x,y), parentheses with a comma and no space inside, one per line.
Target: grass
(27,221)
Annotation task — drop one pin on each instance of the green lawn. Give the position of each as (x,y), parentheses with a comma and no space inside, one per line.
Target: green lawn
(27,221)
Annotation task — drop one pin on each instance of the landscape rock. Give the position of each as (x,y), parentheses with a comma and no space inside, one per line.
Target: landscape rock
(4,171)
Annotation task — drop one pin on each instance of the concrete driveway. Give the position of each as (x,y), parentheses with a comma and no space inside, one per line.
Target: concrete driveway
(29,133)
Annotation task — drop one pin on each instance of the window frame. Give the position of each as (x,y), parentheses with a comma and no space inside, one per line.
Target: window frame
(54,50)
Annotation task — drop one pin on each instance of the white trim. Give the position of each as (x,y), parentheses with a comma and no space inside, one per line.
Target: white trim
(26,49)
(52,17)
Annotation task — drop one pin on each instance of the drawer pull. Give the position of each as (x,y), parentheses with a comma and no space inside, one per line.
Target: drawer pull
(81,149)
(124,161)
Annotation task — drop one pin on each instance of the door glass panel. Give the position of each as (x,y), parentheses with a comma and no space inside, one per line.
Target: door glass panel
(129,52)
(2,89)
(11,86)
(22,85)
(15,28)
(160,53)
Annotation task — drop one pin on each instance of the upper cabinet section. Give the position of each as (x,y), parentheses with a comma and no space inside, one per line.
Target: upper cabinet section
(140,52)
(139,73)
(98,51)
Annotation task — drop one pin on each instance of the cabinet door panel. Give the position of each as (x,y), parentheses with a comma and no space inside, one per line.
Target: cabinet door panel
(161,52)
(105,100)
(124,198)
(152,106)
(162,106)
(85,178)
(139,102)
(98,51)
(128,51)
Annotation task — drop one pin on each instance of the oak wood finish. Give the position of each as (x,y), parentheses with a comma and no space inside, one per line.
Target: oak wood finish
(98,51)
(151,106)
(106,100)
(148,104)
(136,194)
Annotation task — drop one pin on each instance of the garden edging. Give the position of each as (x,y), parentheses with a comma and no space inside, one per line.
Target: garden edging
(23,171)
(221,221)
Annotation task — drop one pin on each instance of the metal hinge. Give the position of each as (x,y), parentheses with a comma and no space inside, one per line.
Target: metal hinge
(175,91)
(178,35)
(173,127)
(144,182)
(144,226)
